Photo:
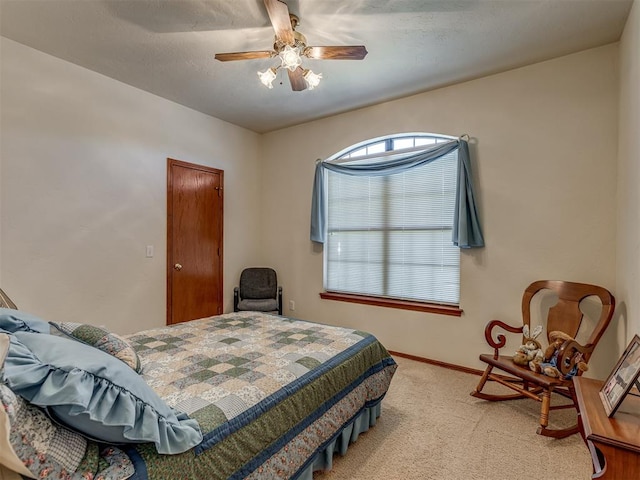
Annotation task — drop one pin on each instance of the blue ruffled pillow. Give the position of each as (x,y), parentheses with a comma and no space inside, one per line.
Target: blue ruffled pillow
(17,321)
(94,393)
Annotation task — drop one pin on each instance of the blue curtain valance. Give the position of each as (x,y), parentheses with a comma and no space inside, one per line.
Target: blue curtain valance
(467,232)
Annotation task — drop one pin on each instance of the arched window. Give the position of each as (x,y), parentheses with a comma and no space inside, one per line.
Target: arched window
(390,236)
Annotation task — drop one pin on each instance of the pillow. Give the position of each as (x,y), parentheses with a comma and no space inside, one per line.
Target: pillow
(16,321)
(101,339)
(94,393)
(8,456)
(33,446)
(38,448)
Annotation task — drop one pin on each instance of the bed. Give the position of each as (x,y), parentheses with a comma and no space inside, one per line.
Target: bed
(272,397)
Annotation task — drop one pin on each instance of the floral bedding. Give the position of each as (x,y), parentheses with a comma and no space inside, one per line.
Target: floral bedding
(269,393)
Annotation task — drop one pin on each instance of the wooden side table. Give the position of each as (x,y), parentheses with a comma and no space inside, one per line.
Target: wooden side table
(614,442)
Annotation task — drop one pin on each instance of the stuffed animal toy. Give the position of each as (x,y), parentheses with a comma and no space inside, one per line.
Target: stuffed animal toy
(530,349)
(548,365)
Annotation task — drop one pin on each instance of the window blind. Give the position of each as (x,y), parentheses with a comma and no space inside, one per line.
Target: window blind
(390,236)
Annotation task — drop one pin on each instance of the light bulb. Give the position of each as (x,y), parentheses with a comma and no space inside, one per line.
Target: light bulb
(312,79)
(290,58)
(267,77)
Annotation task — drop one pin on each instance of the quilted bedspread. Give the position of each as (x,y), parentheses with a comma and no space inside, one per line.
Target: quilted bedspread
(267,391)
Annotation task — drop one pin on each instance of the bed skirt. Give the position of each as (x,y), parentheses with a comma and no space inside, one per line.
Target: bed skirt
(323,459)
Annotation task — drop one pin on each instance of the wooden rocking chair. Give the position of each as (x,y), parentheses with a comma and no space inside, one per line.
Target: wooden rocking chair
(564,316)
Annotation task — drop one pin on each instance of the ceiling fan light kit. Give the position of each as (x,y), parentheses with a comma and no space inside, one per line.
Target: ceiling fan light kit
(312,79)
(290,57)
(290,46)
(267,77)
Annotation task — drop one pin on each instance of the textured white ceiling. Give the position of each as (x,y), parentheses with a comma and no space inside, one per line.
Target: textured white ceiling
(166,47)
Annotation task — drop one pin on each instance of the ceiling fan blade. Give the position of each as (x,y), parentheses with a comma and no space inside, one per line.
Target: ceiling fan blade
(297,80)
(227,57)
(347,52)
(279,16)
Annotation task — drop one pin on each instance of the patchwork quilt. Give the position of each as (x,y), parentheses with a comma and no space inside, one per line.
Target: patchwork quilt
(268,392)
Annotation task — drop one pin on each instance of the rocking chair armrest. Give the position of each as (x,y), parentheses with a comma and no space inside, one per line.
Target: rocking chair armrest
(572,352)
(501,340)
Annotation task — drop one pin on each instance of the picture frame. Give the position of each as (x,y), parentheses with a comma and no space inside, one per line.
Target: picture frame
(622,378)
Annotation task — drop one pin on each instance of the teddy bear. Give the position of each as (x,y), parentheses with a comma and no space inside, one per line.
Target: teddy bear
(548,365)
(530,349)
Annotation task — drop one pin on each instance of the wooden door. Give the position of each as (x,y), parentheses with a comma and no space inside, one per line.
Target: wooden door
(194,241)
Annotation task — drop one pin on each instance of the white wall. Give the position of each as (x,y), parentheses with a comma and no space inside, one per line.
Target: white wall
(83,162)
(83,191)
(628,239)
(0,153)
(544,152)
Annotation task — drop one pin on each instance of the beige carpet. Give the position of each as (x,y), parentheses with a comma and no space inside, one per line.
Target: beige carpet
(431,428)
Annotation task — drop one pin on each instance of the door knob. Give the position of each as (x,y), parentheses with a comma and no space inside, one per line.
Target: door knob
(177,266)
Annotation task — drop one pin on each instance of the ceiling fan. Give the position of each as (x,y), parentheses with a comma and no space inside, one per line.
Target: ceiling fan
(290,46)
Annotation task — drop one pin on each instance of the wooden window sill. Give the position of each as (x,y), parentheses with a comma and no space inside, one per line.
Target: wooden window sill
(393,303)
